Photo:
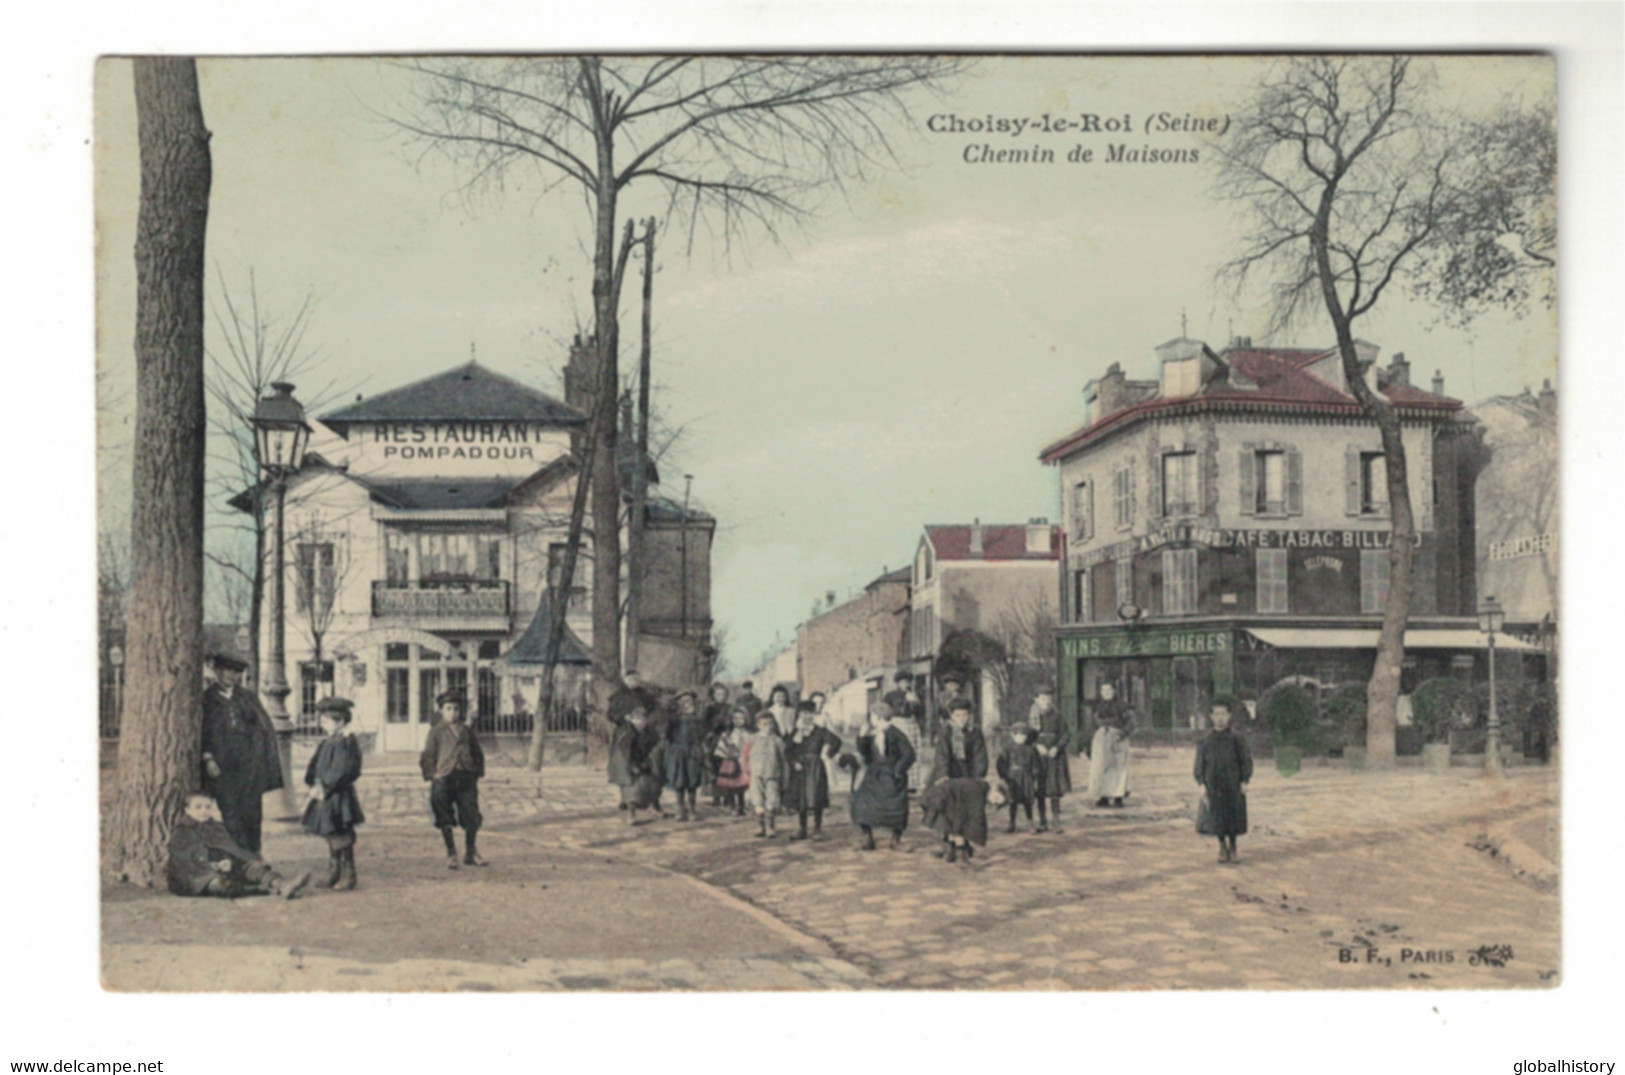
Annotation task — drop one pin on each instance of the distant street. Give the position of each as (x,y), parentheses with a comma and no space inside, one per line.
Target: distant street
(1347,881)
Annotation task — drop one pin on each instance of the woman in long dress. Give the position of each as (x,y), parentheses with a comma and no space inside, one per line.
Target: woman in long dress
(806,783)
(1108,760)
(881,801)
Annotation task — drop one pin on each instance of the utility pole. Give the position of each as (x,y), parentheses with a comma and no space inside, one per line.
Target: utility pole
(636,548)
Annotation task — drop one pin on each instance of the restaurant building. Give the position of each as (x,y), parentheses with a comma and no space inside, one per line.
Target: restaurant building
(424,538)
(1227,527)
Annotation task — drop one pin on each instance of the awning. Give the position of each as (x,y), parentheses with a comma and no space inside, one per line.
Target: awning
(1365,638)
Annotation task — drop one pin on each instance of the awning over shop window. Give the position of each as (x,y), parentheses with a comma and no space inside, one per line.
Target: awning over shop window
(1362,638)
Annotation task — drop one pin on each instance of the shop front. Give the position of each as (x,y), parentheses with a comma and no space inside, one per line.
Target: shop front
(1168,675)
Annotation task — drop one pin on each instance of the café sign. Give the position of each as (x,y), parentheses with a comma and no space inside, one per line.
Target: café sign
(1221,538)
(1145,643)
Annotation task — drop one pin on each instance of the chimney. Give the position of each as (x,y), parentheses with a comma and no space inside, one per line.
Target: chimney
(1548,396)
(1438,382)
(1038,541)
(1240,343)
(976,539)
(1109,392)
(1399,370)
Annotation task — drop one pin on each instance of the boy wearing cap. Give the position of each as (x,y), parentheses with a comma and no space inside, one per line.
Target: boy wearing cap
(333,810)
(453,763)
(240,758)
(205,861)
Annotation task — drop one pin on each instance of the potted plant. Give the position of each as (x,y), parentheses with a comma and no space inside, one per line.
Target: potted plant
(1289,710)
(1438,706)
(1344,712)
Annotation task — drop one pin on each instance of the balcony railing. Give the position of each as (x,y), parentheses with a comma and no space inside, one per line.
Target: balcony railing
(471,599)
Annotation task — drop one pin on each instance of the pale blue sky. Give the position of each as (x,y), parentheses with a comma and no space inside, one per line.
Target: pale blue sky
(898,361)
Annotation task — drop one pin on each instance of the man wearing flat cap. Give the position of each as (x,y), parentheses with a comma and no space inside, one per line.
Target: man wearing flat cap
(240,762)
(453,763)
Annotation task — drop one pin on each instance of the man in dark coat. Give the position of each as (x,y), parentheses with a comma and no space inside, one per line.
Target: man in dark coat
(1224,765)
(205,861)
(747,700)
(453,763)
(240,760)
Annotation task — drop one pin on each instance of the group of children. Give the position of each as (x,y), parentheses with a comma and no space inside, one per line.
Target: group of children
(205,860)
(779,765)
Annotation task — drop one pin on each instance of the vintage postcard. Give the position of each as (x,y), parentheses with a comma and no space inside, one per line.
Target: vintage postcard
(829,522)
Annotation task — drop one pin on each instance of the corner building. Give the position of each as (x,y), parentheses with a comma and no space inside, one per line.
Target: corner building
(1226,527)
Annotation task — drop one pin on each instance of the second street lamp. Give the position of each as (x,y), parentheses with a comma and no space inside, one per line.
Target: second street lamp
(1491,618)
(280,438)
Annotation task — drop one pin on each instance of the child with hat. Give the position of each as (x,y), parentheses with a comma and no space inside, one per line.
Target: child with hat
(334,811)
(453,763)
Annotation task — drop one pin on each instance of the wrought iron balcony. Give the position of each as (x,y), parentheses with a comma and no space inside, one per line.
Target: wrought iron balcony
(452,599)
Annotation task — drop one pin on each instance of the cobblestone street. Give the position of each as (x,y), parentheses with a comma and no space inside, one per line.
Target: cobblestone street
(1375,880)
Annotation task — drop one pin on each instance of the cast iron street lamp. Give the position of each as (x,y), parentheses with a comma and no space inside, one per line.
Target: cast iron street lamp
(1491,618)
(280,437)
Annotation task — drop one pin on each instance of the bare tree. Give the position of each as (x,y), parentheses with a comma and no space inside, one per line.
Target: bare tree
(1023,633)
(258,348)
(322,567)
(159,743)
(1498,248)
(1349,182)
(735,142)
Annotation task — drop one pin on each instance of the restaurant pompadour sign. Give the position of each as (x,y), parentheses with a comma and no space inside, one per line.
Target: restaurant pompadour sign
(1219,538)
(460,440)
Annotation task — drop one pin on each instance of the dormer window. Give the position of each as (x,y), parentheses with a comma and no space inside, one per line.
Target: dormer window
(1182,377)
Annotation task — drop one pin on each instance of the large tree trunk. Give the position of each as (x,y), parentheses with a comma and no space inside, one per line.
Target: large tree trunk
(606,495)
(159,742)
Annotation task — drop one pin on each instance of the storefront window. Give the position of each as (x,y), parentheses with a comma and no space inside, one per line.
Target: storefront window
(1271,571)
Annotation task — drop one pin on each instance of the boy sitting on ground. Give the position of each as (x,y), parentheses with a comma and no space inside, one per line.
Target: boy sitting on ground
(205,861)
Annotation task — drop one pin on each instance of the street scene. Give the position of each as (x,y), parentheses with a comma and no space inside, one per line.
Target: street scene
(829,523)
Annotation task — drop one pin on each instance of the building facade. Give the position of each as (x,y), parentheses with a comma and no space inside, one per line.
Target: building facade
(1227,527)
(1519,507)
(854,638)
(975,588)
(424,539)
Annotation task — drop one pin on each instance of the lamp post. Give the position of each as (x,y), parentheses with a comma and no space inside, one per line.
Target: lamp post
(1491,618)
(280,437)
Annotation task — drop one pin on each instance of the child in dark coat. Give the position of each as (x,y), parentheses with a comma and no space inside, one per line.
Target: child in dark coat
(1224,765)
(1022,771)
(204,860)
(333,811)
(635,763)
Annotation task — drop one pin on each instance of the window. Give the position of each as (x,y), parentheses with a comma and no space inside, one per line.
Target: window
(1270,472)
(397,651)
(1178,581)
(1373,579)
(488,696)
(428,689)
(1080,596)
(1083,511)
(1373,484)
(1179,485)
(1125,582)
(1123,498)
(397,698)
(1271,570)
(1271,480)
(555,574)
(397,558)
(313,589)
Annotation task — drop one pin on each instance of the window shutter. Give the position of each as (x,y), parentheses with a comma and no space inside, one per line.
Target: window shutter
(1249,480)
(1133,503)
(1294,482)
(1351,480)
(1154,487)
(1208,482)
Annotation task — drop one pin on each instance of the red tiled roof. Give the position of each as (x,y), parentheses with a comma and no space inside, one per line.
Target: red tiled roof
(1281,383)
(999,542)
